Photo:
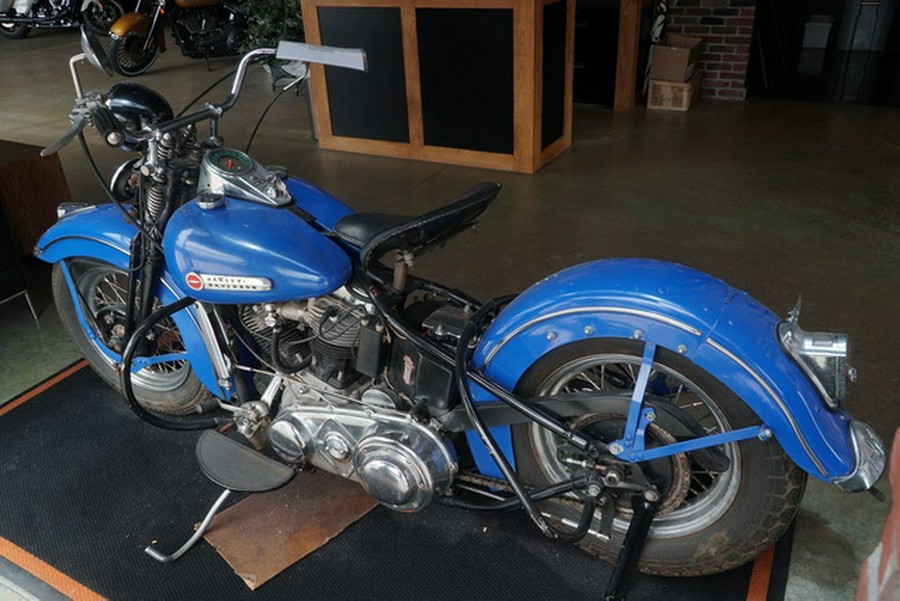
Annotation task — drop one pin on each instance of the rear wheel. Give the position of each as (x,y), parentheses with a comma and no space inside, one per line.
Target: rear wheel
(99,17)
(169,387)
(707,521)
(128,55)
(14,31)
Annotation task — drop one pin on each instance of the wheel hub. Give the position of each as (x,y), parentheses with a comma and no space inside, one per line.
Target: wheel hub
(671,475)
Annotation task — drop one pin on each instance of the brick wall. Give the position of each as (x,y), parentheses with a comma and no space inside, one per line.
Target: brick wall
(726,27)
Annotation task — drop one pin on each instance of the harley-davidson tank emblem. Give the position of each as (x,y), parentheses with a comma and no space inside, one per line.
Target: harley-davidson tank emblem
(206,281)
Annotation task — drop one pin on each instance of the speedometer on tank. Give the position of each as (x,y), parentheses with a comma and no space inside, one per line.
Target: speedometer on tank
(231,161)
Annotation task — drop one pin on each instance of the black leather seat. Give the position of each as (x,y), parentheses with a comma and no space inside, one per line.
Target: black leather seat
(379,233)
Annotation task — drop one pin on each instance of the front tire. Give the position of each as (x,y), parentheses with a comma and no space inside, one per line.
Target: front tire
(14,31)
(708,522)
(170,387)
(127,55)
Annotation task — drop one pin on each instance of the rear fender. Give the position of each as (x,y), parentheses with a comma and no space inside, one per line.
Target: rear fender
(720,329)
(101,232)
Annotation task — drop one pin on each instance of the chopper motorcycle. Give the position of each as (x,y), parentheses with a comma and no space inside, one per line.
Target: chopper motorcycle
(201,28)
(18,17)
(645,411)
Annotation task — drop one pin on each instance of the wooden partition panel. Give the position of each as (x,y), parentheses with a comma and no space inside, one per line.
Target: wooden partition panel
(483,83)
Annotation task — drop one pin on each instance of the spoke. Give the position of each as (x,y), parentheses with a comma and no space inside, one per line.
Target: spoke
(588,378)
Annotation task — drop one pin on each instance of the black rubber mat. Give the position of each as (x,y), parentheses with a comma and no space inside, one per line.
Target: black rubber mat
(85,486)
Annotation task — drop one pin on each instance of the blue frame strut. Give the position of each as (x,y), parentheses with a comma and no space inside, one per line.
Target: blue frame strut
(631,447)
(761,432)
(140,363)
(634,433)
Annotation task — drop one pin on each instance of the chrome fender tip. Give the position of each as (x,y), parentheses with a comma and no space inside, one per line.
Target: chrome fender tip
(870,459)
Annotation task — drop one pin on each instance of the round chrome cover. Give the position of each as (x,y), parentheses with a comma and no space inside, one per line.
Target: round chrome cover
(403,470)
(291,441)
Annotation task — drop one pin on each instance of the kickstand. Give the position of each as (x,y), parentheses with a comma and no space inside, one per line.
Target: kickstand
(635,537)
(161,557)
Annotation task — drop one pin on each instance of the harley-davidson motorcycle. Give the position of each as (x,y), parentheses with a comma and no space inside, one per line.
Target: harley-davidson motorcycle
(18,17)
(645,411)
(201,28)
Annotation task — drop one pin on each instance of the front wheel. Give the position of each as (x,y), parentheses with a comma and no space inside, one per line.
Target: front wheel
(708,521)
(14,31)
(168,387)
(98,17)
(131,54)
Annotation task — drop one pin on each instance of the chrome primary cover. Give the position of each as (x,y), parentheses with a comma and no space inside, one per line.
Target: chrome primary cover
(402,463)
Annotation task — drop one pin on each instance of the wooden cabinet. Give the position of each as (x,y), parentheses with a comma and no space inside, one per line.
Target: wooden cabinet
(485,83)
(31,187)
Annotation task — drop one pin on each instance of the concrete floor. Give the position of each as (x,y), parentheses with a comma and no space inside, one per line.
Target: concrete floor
(778,198)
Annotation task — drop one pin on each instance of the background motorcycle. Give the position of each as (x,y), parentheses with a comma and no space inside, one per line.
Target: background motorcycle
(17,17)
(203,29)
(639,389)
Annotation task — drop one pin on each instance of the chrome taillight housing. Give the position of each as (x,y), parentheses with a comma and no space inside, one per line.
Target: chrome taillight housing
(823,356)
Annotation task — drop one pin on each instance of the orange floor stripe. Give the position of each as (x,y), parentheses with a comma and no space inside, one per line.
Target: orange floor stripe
(22,558)
(760,576)
(46,573)
(41,388)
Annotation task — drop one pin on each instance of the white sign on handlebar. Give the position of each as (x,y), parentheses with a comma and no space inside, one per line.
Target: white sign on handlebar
(349,58)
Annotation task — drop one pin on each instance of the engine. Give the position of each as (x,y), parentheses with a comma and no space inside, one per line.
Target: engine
(210,31)
(347,405)
(404,464)
(320,335)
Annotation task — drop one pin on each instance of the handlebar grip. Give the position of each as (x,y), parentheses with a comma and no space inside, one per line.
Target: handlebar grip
(106,123)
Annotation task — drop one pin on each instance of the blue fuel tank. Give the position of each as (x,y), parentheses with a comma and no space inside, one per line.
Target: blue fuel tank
(243,252)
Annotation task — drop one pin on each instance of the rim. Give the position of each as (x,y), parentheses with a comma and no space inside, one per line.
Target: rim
(130,55)
(709,494)
(102,17)
(104,291)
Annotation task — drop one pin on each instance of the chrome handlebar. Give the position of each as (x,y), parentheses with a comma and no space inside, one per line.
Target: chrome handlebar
(87,104)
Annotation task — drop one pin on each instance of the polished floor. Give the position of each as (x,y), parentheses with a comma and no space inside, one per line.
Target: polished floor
(778,198)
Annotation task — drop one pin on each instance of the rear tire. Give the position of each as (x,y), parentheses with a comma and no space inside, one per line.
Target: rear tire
(708,522)
(170,387)
(127,55)
(98,19)
(14,31)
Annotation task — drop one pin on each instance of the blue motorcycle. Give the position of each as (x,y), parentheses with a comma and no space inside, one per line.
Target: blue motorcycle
(645,411)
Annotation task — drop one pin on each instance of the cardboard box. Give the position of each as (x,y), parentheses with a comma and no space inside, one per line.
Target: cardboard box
(675,58)
(672,95)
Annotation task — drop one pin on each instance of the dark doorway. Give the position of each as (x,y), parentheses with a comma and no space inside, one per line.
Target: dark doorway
(827,50)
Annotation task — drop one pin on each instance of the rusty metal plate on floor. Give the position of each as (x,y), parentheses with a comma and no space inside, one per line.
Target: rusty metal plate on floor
(268,532)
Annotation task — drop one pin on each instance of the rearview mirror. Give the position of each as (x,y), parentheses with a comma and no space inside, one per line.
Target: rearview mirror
(94,52)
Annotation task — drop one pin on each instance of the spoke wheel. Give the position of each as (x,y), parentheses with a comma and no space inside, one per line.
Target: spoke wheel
(707,521)
(128,56)
(99,17)
(168,387)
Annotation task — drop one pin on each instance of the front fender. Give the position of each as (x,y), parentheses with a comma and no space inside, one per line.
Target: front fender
(722,330)
(131,22)
(101,232)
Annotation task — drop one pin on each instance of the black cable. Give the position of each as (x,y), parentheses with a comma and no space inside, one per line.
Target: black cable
(205,92)
(125,375)
(99,177)
(266,112)
(276,355)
